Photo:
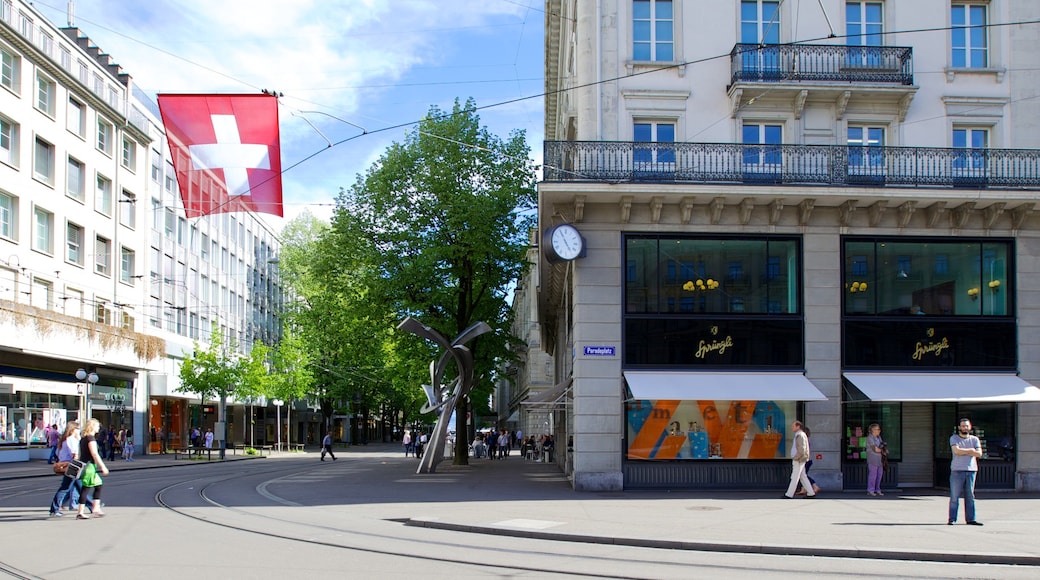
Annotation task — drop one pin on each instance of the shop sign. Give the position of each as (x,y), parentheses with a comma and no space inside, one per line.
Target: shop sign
(715,345)
(930,346)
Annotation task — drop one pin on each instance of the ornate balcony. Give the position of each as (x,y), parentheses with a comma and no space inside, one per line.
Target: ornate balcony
(829,165)
(816,63)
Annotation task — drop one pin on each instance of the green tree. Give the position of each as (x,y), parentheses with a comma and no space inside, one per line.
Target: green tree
(440,223)
(292,378)
(212,372)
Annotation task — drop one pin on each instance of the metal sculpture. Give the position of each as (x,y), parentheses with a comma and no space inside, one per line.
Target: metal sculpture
(440,399)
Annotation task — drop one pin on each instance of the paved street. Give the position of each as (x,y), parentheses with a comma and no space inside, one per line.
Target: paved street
(169,518)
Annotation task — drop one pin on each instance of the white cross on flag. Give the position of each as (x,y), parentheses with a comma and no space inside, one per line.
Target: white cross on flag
(225,152)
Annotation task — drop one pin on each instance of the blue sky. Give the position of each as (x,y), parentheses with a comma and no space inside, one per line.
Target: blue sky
(341,65)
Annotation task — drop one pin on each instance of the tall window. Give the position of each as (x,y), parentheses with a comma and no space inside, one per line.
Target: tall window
(103,195)
(10,70)
(865,147)
(653,31)
(105,132)
(76,118)
(757,140)
(974,142)
(43,238)
(43,162)
(969,36)
(8,141)
(8,215)
(76,179)
(651,132)
(46,92)
(760,25)
(74,243)
(126,265)
(156,166)
(102,256)
(863,28)
(129,157)
(128,209)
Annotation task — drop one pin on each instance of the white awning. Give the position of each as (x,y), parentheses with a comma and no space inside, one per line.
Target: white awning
(549,396)
(944,387)
(700,386)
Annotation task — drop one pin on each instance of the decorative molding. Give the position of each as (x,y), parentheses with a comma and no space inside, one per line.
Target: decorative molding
(960,214)
(904,106)
(843,103)
(734,102)
(845,212)
(799,103)
(686,209)
(746,205)
(715,207)
(877,211)
(906,211)
(991,213)
(656,203)
(1019,215)
(579,208)
(775,209)
(805,209)
(935,213)
(626,208)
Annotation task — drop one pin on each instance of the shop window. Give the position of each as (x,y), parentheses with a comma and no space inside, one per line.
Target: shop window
(858,416)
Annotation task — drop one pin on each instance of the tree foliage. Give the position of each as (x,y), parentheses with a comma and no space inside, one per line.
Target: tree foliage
(437,229)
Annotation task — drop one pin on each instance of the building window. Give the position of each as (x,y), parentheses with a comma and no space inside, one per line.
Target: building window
(128,209)
(760,22)
(652,132)
(42,294)
(74,243)
(8,216)
(105,132)
(10,70)
(103,196)
(969,36)
(102,314)
(974,142)
(969,278)
(156,167)
(76,179)
(43,240)
(866,148)
(864,33)
(76,121)
(759,156)
(43,162)
(103,256)
(46,92)
(126,265)
(129,157)
(653,36)
(8,142)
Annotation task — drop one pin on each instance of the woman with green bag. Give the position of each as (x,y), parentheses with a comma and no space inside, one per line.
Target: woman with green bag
(89,454)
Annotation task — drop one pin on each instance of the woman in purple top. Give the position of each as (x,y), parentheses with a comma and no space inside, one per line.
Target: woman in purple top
(875,463)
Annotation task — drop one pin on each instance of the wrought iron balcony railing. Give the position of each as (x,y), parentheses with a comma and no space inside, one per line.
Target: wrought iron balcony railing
(792,63)
(834,165)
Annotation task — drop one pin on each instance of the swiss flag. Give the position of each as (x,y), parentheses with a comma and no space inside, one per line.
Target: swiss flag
(225,151)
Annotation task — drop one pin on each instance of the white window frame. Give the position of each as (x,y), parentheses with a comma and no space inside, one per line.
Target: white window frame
(968,48)
(8,216)
(105,136)
(103,195)
(43,152)
(43,231)
(128,158)
(653,22)
(128,209)
(9,139)
(657,157)
(102,256)
(10,70)
(761,166)
(974,161)
(77,193)
(75,235)
(76,123)
(46,94)
(127,264)
(871,161)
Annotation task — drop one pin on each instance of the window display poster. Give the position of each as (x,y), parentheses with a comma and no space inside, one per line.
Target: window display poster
(57,417)
(5,436)
(708,429)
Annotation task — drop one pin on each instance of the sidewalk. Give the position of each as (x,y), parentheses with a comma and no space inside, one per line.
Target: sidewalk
(527,499)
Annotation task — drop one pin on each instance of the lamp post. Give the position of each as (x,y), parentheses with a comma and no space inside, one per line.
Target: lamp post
(91,378)
(278,411)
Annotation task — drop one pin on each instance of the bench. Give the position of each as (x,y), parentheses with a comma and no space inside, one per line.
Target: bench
(188,452)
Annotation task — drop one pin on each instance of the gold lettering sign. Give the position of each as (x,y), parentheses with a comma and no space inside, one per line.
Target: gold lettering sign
(931,348)
(717,346)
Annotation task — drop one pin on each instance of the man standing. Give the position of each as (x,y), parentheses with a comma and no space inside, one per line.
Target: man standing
(326,446)
(799,457)
(964,465)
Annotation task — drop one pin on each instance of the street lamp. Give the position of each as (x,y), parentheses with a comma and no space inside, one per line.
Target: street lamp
(91,378)
(278,409)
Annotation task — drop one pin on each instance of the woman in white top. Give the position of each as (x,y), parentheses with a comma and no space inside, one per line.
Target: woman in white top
(68,448)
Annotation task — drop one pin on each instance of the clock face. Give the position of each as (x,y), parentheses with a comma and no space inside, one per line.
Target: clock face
(567,242)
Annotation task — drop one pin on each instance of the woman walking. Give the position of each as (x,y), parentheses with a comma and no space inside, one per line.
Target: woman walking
(68,449)
(92,482)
